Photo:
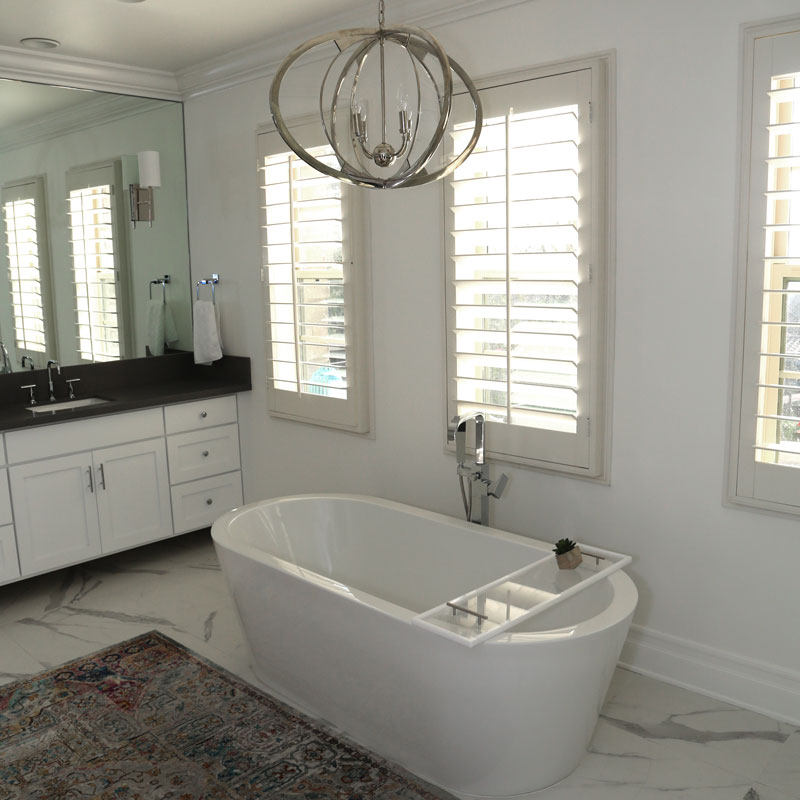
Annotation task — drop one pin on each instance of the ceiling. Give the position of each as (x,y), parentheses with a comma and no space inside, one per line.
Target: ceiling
(166,35)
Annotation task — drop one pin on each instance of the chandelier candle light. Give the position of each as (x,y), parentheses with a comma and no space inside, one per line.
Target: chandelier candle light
(367,151)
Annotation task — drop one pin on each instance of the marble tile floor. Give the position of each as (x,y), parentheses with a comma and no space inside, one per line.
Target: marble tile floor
(653,740)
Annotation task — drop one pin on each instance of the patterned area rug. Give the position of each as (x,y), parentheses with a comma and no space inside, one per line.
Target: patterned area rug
(148,718)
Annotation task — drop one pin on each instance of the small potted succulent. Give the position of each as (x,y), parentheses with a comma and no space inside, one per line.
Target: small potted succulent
(568,554)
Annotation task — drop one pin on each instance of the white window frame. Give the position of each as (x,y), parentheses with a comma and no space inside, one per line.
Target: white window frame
(769,49)
(34,189)
(587,455)
(101,174)
(353,413)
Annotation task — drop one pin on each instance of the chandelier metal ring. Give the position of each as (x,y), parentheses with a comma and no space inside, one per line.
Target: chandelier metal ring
(418,44)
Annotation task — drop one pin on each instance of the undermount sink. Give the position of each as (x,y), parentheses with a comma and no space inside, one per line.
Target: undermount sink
(67,405)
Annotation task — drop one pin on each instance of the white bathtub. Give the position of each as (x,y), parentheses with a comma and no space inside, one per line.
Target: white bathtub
(327,587)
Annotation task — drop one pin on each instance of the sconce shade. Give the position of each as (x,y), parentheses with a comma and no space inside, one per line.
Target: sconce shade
(149,168)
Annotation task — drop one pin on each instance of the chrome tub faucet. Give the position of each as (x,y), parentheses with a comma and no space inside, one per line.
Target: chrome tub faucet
(475,471)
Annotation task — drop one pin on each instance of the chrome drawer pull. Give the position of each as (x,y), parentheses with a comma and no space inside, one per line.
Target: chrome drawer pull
(91,480)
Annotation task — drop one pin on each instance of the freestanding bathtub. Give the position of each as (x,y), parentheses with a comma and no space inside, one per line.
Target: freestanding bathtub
(328,587)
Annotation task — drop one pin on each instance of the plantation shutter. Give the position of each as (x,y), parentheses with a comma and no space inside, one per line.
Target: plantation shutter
(96,263)
(768,454)
(524,332)
(27,254)
(314,278)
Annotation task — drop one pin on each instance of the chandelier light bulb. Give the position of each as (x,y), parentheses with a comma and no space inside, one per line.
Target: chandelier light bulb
(384,104)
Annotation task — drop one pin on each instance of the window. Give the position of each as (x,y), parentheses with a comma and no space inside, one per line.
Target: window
(29,270)
(527,270)
(315,288)
(95,233)
(765,454)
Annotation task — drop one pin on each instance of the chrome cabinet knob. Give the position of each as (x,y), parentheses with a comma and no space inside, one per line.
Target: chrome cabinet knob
(209,501)
(203,414)
(205,453)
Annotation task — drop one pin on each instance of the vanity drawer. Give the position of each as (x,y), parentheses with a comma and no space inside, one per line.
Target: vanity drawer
(49,441)
(5,500)
(199,503)
(200,414)
(199,454)
(9,564)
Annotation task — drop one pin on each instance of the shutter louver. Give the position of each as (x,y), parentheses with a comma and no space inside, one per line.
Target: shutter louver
(94,273)
(778,408)
(515,277)
(303,262)
(25,276)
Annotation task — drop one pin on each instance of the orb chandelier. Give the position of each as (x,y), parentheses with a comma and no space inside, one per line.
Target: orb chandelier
(384,105)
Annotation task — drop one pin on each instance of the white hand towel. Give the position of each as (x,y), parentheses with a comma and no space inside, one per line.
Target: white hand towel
(170,328)
(207,342)
(156,320)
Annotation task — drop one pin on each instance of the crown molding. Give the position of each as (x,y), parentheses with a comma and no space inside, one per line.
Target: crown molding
(82,73)
(261,60)
(256,61)
(97,111)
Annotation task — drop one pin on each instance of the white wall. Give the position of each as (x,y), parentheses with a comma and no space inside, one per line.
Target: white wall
(717,583)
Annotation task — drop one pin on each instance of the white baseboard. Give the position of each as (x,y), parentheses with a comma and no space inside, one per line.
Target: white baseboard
(747,683)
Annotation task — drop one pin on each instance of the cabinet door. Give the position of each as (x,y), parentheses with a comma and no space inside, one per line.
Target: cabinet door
(55,512)
(133,500)
(9,565)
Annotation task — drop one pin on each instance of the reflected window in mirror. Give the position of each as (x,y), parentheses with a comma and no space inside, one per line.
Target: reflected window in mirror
(98,263)
(56,133)
(29,272)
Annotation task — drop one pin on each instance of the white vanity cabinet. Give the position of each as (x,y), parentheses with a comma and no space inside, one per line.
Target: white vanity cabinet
(95,486)
(9,563)
(204,461)
(73,507)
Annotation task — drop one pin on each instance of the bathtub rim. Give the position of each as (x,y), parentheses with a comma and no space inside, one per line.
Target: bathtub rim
(620,607)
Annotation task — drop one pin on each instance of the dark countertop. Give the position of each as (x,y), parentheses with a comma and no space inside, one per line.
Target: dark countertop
(127,385)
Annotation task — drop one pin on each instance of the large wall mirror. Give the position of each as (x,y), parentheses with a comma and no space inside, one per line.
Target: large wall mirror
(76,276)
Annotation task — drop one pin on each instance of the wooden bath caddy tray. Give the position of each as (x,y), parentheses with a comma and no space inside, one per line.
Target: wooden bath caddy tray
(492,609)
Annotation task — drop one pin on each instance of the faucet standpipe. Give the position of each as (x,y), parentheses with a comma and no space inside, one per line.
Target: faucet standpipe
(50,365)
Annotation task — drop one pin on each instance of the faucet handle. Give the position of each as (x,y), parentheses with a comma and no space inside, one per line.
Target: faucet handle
(32,388)
(499,487)
(69,383)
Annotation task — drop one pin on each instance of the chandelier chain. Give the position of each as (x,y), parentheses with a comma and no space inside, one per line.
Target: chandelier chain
(381,18)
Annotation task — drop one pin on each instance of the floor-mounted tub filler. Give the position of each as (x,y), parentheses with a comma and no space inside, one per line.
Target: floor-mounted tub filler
(460,652)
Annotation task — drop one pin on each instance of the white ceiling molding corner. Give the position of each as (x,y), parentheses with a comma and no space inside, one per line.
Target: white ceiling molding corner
(261,60)
(83,73)
(101,109)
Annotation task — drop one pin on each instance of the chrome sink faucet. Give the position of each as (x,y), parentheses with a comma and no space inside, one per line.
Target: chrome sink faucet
(475,471)
(6,368)
(50,365)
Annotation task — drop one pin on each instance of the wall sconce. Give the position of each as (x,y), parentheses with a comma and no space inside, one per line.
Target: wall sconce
(142,208)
